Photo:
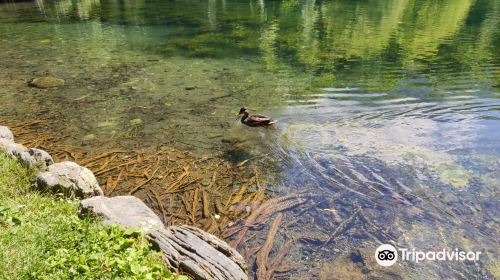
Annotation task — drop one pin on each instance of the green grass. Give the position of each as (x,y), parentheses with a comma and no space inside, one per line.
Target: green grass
(42,237)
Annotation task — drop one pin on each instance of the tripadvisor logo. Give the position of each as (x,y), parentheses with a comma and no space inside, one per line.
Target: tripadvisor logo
(387,255)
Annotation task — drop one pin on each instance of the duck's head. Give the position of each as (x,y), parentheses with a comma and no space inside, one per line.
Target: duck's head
(243,110)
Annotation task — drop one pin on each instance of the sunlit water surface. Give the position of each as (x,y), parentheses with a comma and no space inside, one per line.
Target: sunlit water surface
(391,105)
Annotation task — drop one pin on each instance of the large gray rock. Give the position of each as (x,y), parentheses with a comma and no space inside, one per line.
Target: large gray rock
(70,179)
(34,158)
(198,253)
(128,211)
(40,158)
(5,133)
(17,150)
(12,148)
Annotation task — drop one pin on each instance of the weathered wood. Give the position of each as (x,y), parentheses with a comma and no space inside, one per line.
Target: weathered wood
(198,253)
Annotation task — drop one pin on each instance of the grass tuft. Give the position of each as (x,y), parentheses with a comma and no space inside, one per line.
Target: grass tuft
(42,237)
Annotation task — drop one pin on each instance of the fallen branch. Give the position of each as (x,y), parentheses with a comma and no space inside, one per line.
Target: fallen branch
(263,254)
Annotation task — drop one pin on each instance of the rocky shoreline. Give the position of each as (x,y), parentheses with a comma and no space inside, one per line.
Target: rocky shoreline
(184,248)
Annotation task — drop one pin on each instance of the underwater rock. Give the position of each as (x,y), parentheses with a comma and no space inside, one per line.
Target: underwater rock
(89,138)
(69,178)
(107,124)
(199,253)
(453,174)
(128,211)
(46,82)
(6,134)
(136,122)
(190,87)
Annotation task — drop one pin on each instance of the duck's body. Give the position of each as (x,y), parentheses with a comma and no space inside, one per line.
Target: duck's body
(255,120)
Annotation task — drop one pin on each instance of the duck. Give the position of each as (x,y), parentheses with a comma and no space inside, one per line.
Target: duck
(255,120)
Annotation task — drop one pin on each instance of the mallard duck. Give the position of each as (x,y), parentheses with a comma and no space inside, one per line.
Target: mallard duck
(255,120)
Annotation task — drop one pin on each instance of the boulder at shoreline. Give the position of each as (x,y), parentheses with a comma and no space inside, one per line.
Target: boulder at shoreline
(128,211)
(6,134)
(69,178)
(41,158)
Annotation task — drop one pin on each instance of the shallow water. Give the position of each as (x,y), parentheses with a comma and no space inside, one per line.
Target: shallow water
(393,104)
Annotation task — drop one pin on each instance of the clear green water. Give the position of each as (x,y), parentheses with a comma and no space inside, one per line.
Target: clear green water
(395,102)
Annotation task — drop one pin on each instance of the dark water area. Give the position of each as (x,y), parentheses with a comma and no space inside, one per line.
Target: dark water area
(388,113)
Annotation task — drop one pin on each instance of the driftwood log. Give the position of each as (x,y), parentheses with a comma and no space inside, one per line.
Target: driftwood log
(198,253)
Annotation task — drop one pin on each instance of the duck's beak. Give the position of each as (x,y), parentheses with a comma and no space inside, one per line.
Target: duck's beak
(237,114)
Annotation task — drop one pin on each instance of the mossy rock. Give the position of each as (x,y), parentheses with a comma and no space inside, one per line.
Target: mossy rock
(46,82)
(136,122)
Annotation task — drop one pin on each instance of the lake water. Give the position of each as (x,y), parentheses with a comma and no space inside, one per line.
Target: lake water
(389,111)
